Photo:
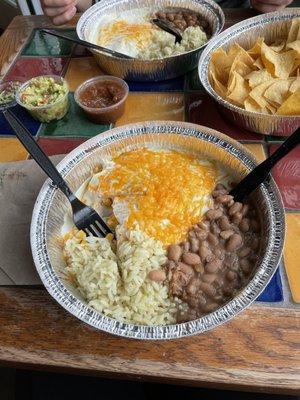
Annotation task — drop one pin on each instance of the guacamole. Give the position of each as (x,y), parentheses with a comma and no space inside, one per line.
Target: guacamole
(45,97)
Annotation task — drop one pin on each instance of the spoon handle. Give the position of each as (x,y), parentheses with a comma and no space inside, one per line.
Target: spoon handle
(261,172)
(86,44)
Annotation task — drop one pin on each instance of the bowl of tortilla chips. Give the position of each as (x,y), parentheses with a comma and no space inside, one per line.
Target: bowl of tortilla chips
(252,70)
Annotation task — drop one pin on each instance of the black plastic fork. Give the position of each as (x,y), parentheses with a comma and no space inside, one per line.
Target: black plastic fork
(85,218)
(262,171)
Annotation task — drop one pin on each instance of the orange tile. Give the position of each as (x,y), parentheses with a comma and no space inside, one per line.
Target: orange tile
(292,254)
(153,106)
(257,150)
(80,69)
(12,150)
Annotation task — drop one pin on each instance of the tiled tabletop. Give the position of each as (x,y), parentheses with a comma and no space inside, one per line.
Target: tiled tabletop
(256,350)
(181,99)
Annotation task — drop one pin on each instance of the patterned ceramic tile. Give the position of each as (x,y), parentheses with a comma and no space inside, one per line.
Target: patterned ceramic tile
(202,110)
(31,124)
(27,67)
(81,69)
(292,254)
(257,149)
(287,175)
(46,45)
(273,292)
(12,150)
(171,85)
(153,106)
(74,124)
(58,146)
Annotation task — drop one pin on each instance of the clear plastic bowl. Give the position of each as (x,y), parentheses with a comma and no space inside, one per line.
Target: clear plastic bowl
(103,115)
(49,112)
(7,86)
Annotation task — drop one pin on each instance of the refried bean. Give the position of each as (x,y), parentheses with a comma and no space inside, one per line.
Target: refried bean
(218,257)
(102,94)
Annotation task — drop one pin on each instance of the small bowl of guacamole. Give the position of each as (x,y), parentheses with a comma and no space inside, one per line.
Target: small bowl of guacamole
(45,97)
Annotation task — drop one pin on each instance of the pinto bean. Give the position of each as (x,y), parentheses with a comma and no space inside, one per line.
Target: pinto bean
(204,252)
(226,234)
(235,208)
(157,275)
(245,209)
(191,258)
(170,17)
(213,266)
(204,225)
(161,15)
(213,214)
(174,252)
(194,245)
(219,192)
(234,242)
(254,225)
(244,252)
(186,269)
(185,246)
(219,253)
(210,307)
(236,219)
(246,266)
(199,268)
(244,225)
(231,275)
(254,243)
(212,239)
(201,234)
(214,228)
(224,198)
(209,278)
(208,289)
(224,223)
(193,286)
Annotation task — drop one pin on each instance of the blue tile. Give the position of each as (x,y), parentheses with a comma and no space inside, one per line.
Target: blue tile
(171,85)
(31,124)
(273,292)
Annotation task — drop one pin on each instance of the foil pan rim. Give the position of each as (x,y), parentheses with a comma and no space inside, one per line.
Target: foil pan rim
(76,307)
(222,39)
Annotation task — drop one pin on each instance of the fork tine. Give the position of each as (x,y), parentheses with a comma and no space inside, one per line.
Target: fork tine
(94,231)
(104,227)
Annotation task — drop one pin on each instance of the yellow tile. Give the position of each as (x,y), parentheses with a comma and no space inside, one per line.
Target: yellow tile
(80,69)
(153,106)
(12,150)
(257,150)
(292,254)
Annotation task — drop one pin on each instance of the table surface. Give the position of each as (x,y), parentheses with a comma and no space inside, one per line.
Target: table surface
(258,350)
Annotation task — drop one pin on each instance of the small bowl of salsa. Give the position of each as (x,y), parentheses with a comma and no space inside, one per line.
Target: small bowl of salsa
(102,98)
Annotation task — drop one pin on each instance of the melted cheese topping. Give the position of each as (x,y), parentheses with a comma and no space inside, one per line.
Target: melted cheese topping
(166,192)
(138,33)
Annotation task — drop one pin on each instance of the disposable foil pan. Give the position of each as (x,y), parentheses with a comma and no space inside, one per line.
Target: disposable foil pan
(51,206)
(271,26)
(148,70)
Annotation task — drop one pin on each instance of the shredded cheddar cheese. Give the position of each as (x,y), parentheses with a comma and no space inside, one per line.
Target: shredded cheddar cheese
(167,192)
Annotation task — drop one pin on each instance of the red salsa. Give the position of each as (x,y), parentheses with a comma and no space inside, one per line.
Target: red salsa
(102,94)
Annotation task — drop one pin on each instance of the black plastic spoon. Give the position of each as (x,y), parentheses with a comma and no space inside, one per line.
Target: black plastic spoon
(261,172)
(87,44)
(165,26)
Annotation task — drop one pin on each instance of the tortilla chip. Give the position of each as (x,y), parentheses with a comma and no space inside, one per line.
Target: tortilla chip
(215,82)
(251,105)
(278,46)
(237,50)
(291,106)
(255,78)
(271,109)
(294,46)
(257,93)
(294,31)
(295,85)
(240,67)
(278,92)
(259,64)
(279,65)
(256,48)
(240,90)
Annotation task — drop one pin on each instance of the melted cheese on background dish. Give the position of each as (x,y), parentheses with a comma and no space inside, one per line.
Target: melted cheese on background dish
(164,192)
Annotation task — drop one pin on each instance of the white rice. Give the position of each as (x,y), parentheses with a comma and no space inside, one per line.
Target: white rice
(132,298)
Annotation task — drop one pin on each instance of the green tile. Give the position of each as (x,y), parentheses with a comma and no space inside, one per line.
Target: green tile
(192,81)
(74,124)
(46,45)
